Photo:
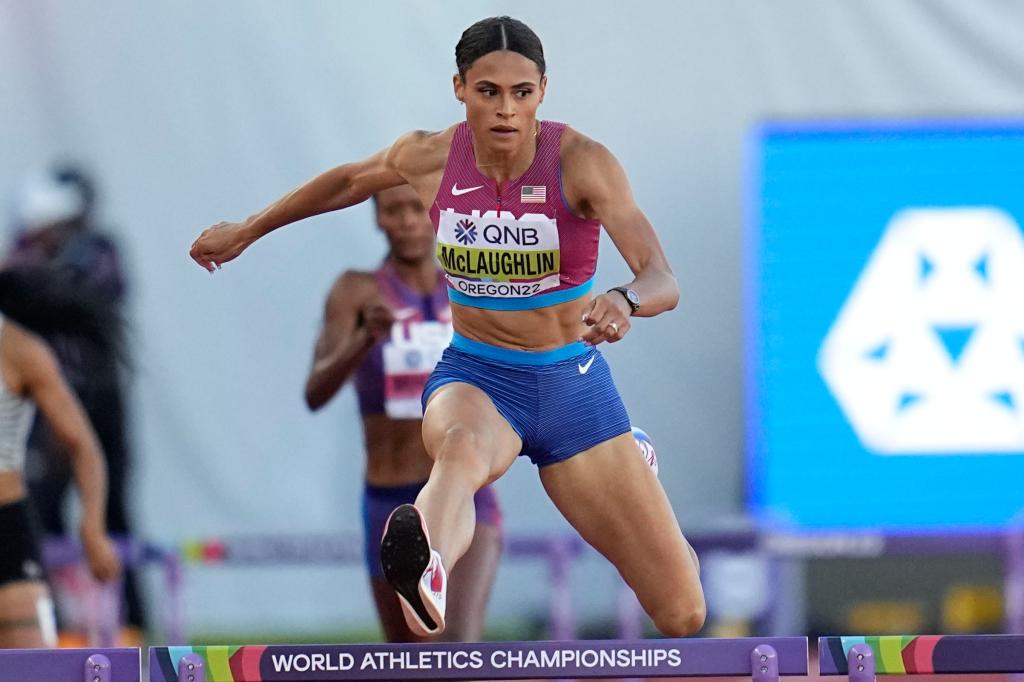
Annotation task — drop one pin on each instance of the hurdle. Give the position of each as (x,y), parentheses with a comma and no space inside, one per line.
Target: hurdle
(61,552)
(1006,544)
(862,657)
(765,660)
(70,665)
(557,551)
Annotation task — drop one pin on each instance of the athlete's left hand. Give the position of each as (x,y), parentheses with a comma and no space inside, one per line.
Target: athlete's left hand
(608,319)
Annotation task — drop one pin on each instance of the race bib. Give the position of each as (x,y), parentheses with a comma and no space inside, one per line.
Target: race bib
(410,355)
(499,255)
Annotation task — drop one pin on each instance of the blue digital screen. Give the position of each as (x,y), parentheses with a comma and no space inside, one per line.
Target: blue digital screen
(884,278)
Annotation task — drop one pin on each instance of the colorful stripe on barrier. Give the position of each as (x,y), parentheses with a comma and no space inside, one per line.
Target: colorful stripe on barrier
(229,663)
(927,654)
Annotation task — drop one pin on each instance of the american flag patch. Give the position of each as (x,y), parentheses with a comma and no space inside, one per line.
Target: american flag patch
(535,194)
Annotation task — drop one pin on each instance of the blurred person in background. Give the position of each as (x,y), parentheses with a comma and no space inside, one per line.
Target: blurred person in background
(386,329)
(32,306)
(55,219)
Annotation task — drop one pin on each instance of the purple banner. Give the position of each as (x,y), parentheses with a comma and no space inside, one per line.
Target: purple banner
(69,665)
(488,660)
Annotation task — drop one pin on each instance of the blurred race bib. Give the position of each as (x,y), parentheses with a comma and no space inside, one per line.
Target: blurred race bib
(410,355)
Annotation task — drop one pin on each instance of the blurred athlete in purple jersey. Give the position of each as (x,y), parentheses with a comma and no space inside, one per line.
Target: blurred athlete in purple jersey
(387,329)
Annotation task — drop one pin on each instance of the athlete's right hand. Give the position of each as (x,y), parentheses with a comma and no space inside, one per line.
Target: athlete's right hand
(219,244)
(377,319)
(100,554)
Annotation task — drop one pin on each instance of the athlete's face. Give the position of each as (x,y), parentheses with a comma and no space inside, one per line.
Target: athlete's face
(407,226)
(502,91)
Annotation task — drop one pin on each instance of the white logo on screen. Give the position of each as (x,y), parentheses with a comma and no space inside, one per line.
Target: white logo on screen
(926,355)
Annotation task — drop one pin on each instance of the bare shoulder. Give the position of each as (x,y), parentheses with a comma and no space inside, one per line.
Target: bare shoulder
(354,281)
(24,357)
(591,175)
(351,289)
(421,152)
(580,153)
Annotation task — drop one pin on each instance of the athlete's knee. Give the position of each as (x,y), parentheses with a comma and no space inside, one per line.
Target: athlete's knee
(458,441)
(461,446)
(681,619)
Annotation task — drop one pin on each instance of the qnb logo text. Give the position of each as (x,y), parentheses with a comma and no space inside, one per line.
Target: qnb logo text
(506,234)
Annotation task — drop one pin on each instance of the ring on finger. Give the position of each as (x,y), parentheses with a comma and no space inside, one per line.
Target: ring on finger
(615,326)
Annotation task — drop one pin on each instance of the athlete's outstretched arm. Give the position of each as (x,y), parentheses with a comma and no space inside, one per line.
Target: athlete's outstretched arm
(40,378)
(597,187)
(355,317)
(338,188)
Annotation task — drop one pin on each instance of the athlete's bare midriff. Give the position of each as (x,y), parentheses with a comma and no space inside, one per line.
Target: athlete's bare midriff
(394,451)
(538,329)
(12,487)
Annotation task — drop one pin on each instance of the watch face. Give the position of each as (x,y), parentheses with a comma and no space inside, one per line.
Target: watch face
(633,297)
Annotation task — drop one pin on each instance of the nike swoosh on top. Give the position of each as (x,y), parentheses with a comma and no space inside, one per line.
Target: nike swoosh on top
(586,367)
(456,192)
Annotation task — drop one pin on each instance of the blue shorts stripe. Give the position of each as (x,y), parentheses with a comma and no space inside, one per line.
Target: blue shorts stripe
(518,357)
(529,303)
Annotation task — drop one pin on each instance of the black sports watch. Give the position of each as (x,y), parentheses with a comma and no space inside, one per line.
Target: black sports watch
(632,298)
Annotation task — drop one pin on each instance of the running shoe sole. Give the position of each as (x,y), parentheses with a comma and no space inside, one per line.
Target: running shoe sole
(404,556)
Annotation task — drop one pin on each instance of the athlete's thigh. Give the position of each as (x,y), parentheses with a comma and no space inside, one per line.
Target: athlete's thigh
(470,586)
(24,606)
(616,503)
(461,415)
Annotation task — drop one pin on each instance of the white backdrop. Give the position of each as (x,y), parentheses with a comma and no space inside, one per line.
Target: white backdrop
(194,112)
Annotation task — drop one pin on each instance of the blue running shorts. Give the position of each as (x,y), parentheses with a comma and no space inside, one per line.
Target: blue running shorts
(560,402)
